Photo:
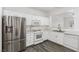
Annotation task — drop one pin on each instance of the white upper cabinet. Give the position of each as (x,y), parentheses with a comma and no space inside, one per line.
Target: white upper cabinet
(43,20)
(68,20)
(28,19)
(57,20)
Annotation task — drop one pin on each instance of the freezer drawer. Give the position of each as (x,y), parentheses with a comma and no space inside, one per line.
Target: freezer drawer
(11,46)
(8,46)
(16,45)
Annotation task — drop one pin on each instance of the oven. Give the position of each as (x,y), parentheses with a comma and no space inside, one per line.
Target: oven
(38,37)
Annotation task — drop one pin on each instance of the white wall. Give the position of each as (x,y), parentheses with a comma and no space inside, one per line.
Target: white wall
(0,29)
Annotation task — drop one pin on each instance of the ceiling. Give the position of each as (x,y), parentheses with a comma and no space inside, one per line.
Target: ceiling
(49,9)
(34,10)
(46,9)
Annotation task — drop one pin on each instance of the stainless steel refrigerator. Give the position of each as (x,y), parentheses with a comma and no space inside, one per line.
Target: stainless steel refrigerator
(13,33)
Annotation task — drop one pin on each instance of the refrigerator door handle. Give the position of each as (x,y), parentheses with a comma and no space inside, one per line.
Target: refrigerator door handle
(9,29)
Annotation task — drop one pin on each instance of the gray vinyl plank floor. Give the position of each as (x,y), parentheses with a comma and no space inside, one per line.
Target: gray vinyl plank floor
(47,46)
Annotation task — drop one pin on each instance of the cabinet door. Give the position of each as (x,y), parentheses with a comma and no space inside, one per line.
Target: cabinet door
(29,19)
(56,37)
(59,38)
(53,36)
(29,40)
(44,20)
(45,35)
(71,41)
(57,20)
(68,22)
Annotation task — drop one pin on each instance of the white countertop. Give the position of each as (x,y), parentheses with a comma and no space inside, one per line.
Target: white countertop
(72,32)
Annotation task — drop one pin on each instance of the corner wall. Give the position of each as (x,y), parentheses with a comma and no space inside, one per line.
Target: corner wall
(0,29)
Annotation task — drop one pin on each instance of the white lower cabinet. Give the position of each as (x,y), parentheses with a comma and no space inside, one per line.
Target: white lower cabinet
(29,39)
(67,40)
(56,37)
(45,35)
(71,41)
(59,38)
(52,36)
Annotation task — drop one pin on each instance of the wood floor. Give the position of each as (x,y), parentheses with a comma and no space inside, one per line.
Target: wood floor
(47,46)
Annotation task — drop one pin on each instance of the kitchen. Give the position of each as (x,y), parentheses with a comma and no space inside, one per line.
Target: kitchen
(45,29)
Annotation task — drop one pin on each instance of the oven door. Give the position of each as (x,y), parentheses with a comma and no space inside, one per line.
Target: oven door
(38,38)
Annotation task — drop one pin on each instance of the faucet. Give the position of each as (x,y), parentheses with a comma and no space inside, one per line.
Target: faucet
(59,27)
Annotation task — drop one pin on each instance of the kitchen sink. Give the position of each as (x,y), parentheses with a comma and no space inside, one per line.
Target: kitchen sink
(58,31)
